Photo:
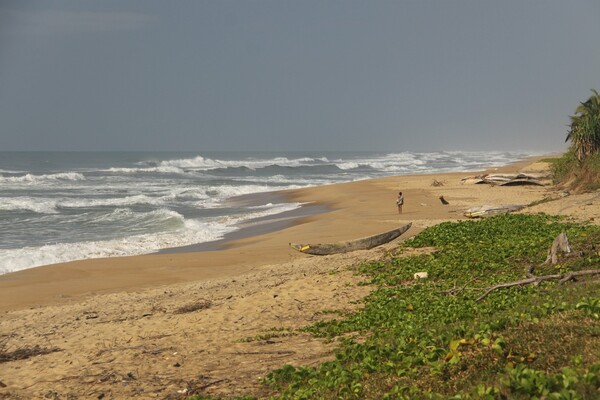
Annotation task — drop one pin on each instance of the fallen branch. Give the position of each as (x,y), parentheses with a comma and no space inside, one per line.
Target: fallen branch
(454,291)
(536,280)
(242,353)
(571,276)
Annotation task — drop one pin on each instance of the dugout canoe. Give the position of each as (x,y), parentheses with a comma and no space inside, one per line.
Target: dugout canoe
(352,245)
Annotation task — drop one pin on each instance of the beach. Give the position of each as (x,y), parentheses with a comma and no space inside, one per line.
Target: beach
(173,323)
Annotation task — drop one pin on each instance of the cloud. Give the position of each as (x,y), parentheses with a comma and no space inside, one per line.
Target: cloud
(43,22)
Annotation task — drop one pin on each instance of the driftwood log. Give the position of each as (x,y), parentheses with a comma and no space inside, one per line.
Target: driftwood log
(536,280)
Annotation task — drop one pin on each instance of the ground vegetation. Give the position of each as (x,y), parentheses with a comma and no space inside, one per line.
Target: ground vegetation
(436,338)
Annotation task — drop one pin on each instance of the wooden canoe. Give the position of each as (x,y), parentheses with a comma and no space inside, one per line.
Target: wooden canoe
(352,245)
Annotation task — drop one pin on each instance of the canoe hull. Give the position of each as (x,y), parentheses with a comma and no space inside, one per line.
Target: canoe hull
(352,245)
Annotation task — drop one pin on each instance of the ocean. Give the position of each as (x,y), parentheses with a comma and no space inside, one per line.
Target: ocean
(64,206)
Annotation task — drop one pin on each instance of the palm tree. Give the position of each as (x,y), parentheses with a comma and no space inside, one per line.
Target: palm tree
(585,128)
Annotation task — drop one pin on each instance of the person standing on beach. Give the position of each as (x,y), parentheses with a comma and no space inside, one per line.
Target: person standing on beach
(400,202)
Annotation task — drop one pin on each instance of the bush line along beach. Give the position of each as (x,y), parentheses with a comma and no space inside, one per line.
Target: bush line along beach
(500,307)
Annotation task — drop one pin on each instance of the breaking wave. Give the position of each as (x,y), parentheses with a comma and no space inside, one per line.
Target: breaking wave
(36,179)
(41,206)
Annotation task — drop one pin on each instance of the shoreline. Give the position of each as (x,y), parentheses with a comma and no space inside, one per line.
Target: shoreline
(252,227)
(355,209)
(156,326)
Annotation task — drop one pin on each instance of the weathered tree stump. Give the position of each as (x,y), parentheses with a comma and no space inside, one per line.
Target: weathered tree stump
(561,243)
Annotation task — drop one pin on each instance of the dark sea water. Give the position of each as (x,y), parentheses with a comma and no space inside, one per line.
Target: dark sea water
(57,207)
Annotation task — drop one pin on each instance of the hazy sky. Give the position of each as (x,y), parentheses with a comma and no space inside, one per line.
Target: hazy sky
(294,75)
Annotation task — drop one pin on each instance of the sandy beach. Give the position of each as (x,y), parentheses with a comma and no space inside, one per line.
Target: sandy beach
(166,325)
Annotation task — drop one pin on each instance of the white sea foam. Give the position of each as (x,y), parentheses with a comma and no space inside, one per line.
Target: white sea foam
(217,194)
(292,182)
(28,257)
(155,217)
(200,163)
(188,232)
(206,164)
(42,206)
(272,209)
(347,165)
(377,163)
(37,179)
(185,194)
(203,196)
(117,202)
(165,169)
